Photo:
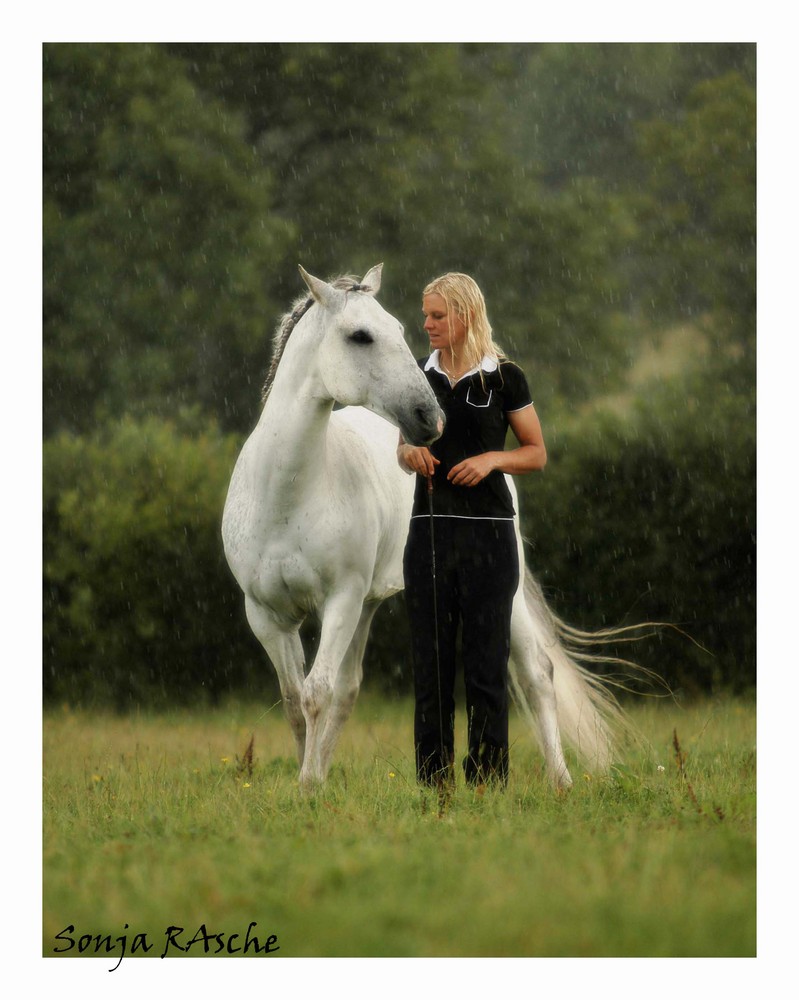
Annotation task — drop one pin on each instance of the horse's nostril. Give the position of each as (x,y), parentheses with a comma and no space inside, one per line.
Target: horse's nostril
(425,415)
(429,421)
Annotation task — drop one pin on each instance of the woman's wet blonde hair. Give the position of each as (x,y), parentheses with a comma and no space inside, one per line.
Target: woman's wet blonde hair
(464,298)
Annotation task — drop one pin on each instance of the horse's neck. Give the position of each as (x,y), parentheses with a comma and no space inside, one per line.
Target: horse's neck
(292,435)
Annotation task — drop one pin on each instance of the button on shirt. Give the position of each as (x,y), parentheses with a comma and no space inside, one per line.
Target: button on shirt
(476,410)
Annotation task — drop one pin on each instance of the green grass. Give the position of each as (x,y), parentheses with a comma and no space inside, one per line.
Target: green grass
(154,821)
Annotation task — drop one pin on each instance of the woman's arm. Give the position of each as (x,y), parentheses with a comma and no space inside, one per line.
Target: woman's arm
(529,456)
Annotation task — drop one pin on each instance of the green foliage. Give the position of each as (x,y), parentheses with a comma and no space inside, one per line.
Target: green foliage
(701,211)
(581,105)
(651,516)
(413,140)
(645,517)
(159,241)
(139,606)
(596,192)
(183,184)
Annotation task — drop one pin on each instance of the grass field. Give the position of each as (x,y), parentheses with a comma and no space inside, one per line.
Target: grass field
(159,821)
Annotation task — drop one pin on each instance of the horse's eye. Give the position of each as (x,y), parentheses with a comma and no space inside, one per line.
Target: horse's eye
(361,337)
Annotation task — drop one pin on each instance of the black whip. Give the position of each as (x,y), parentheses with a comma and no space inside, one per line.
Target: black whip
(435,618)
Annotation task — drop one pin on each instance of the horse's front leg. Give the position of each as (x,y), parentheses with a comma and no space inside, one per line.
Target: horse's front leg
(346,687)
(340,618)
(284,649)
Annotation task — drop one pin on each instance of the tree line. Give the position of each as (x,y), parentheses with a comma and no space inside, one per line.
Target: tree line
(602,195)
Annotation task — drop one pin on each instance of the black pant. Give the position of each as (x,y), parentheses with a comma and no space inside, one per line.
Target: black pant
(476,576)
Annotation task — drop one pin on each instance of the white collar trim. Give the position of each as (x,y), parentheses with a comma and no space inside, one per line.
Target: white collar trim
(487,364)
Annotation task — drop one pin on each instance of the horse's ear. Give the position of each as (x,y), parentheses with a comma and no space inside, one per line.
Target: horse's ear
(371,280)
(326,295)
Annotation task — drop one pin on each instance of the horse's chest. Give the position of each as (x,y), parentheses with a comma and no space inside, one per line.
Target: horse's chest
(296,572)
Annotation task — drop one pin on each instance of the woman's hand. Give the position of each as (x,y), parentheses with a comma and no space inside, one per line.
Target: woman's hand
(419,460)
(472,471)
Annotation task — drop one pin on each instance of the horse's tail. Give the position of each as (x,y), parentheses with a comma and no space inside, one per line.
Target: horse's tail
(590,718)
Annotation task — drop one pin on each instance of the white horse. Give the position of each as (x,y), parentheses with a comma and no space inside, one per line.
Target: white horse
(317,515)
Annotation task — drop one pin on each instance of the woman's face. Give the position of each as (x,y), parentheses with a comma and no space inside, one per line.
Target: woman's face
(444,330)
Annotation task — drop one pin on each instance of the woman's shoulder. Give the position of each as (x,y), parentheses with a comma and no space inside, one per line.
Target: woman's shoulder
(510,370)
(508,364)
(513,384)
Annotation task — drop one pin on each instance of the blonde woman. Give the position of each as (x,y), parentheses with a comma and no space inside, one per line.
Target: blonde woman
(482,394)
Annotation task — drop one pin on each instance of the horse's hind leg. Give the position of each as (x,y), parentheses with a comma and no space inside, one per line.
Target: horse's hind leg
(284,649)
(533,671)
(346,688)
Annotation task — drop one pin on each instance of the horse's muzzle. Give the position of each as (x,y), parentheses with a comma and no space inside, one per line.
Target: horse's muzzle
(425,426)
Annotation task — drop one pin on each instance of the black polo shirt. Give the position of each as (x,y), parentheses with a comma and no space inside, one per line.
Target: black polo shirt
(476,411)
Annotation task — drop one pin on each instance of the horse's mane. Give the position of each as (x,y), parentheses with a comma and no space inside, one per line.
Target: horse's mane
(346,282)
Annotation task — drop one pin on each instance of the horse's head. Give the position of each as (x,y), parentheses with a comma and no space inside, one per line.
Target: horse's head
(363,359)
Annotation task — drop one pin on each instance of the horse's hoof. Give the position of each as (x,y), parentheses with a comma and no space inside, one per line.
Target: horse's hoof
(562,782)
(310,782)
